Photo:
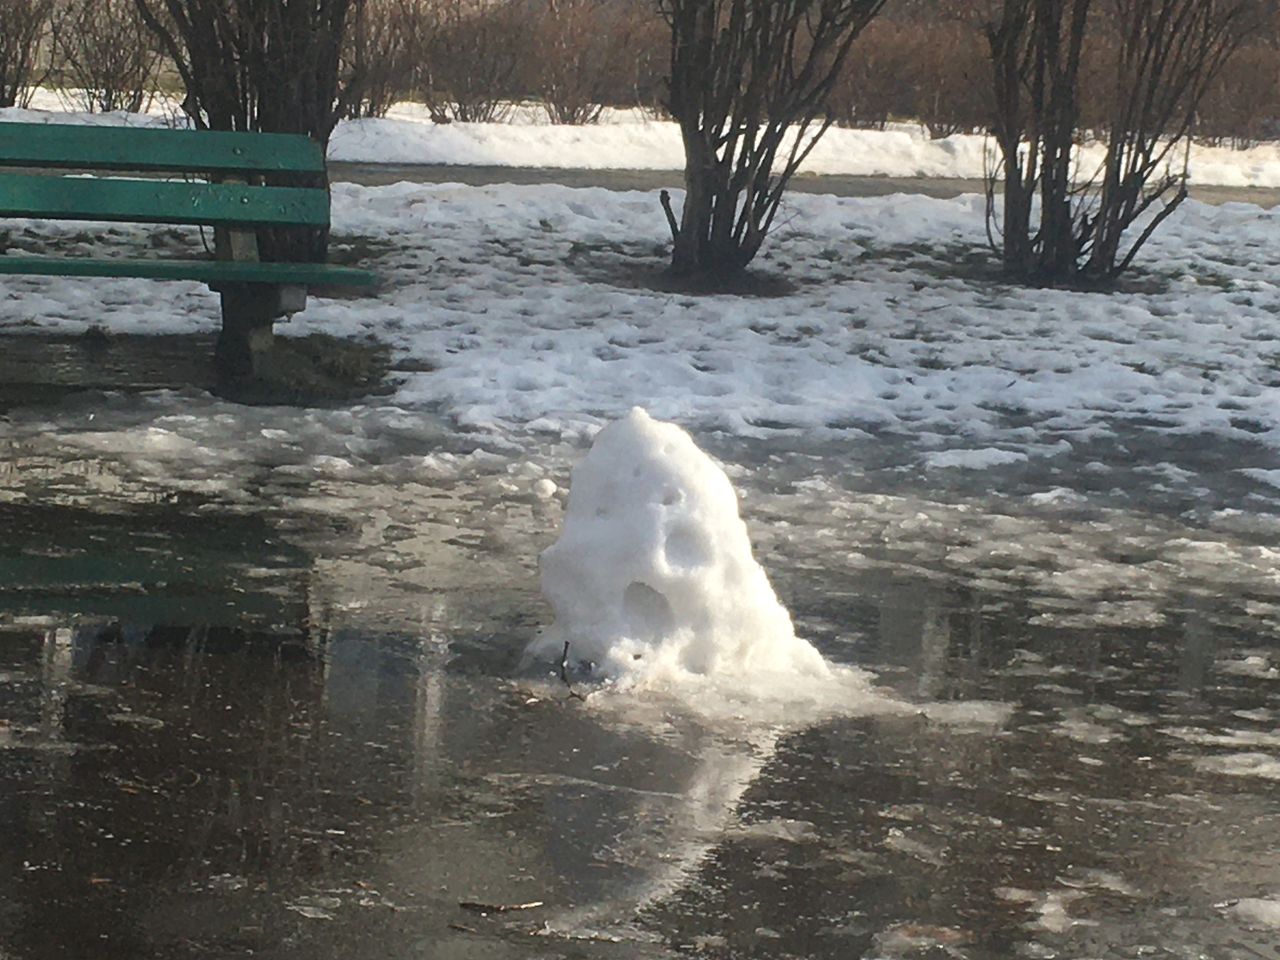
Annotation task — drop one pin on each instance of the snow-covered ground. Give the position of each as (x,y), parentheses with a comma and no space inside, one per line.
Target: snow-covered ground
(530,307)
(629,139)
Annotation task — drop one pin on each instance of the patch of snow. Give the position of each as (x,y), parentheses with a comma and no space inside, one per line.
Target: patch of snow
(969,715)
(1258,912)
(974,459)
(1230,738)
(1082,730)
(1251,666)
(1271,477)
(1261,765)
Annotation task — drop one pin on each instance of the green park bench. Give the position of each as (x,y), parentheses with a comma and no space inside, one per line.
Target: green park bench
(229,197)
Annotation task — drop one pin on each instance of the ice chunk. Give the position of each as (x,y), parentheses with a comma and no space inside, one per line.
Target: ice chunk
(1259,912)
(653,574)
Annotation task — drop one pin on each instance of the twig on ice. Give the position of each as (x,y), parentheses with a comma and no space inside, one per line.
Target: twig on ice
(564,674)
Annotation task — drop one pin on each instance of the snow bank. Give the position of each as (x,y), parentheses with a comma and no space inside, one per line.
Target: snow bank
(628,139)
(653,574)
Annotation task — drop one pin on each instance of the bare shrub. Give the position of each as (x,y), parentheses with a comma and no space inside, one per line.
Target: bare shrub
(1242,105)
(953,78)
(1161,57)
(588,54)
(471,58)
(641,78)
(381,54)
(105,56)
(878,79)
(262,65)
(749,84)
(23,24)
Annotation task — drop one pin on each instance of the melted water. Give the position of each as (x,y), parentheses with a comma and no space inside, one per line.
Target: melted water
(259,690)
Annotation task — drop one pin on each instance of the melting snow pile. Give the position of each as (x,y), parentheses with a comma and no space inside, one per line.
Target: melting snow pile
(653,576)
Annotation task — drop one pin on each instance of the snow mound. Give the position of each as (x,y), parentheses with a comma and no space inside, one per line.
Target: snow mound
(653,578)
(1259,912)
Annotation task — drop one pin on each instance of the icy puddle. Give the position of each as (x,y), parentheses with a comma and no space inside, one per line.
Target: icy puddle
(263,688)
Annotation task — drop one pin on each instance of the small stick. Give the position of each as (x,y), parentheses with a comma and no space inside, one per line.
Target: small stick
(564,674)
(498,907)
(665,199)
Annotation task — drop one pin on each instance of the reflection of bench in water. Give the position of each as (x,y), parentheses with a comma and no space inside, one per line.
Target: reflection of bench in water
(158,564)
(198,752)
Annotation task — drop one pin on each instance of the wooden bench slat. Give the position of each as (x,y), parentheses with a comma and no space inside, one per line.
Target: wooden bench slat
(159,201)
(204,271)
(78,146)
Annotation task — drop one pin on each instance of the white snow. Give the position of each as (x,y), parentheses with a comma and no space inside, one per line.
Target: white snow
(974,459)
(630,139)
(653,576)
(1266,476)
(1261,765)
(1258,911)
(525,307)
(1228,738)
(1254,665)
(524,315)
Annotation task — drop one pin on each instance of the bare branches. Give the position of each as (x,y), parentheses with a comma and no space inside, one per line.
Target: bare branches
(268,65)
(23,24)
(747,75)
(380,55)
(470,60)
(1160,56)
(106,55)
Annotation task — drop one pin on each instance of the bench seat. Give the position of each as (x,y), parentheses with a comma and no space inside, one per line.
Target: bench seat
(212,272)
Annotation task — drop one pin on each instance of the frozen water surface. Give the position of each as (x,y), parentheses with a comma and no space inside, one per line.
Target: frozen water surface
(261,679)
(260,689)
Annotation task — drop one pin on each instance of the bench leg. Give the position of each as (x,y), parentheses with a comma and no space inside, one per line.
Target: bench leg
(244,343)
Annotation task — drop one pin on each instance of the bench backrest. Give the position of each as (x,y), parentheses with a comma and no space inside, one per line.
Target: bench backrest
(68,147)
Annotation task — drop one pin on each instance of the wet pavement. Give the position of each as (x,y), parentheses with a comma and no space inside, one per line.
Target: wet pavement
(253,703)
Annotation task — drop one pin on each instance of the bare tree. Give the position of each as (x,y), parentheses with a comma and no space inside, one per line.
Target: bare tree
(381,55)
(1171,51)
(582,47)
(23,24)
(879,77)
(1036,51)
(265,65)
(1242,107)
(1166,54)
(472,58)
(262,65)
(951,70)
(105,56)
(749,84)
